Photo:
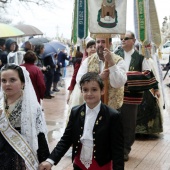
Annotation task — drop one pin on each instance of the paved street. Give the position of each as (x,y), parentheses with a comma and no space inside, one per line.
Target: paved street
(148,153)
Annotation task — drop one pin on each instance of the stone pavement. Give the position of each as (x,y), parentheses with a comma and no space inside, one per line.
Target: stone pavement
(148,153)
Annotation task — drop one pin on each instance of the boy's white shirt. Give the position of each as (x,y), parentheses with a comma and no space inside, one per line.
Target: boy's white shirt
(87,137)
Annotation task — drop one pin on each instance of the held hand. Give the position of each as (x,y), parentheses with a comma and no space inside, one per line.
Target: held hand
(108,57)
(105,74)
(45,166)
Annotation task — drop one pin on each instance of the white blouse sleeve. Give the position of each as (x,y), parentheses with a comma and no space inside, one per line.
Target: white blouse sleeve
(118,75)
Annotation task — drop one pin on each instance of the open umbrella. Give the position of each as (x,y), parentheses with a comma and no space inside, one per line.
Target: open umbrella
(9,31)
(53,46)
(36,41)
(29,30)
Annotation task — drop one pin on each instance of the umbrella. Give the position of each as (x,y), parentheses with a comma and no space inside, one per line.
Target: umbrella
(36,41)
(29,30)
(53,46)
(9,31)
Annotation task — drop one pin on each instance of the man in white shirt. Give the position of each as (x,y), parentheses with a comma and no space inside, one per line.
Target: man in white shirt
(115,73)
(134,62)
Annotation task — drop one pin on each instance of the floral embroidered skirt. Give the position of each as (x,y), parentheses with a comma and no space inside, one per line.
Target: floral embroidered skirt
(149,118)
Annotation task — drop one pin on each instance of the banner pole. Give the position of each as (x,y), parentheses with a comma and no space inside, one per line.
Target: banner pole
(106,81)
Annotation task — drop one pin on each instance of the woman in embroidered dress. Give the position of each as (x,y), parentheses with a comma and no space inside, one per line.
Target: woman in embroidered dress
(74,96)
(149,117)
(23,134)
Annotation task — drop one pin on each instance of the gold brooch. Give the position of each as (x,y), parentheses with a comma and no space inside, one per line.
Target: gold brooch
(82,113)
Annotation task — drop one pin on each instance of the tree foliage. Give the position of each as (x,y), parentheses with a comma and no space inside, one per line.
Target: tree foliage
(6,4)
(3,3)
(5,20)
(38,2)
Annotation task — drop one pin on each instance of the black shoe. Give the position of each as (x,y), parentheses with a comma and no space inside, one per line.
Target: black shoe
(168,85)
(51,96)
(126,157)
(47,97)
(56,90)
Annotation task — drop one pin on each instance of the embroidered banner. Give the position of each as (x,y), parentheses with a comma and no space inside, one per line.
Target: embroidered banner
(141,20)
(107,16)
(74,26)
(154,24)
(80,20)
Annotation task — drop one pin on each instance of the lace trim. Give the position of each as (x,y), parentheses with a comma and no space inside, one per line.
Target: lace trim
(86,155)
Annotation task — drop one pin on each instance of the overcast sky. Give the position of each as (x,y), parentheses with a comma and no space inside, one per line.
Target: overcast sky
(50,21)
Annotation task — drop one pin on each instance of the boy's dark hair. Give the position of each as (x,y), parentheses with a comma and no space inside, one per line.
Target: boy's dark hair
(92,76)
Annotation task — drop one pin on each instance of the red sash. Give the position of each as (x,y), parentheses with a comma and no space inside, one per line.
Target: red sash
(93,166)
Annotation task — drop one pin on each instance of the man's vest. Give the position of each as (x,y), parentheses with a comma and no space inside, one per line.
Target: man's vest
(131,95)
(115,95)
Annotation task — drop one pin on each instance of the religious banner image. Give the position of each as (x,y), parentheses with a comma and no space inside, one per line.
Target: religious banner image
(107,16)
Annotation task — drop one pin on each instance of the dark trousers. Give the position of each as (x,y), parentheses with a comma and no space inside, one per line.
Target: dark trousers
(129,116)
(48,83)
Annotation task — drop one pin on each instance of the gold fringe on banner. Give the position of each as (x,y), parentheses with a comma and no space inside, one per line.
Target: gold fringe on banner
(159,53)
(143,49)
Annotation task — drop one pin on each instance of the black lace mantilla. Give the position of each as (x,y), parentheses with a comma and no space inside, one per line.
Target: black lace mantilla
(15,116)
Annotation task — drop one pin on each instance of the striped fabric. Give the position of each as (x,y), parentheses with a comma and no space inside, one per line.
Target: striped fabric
(141,81)
(131,97)
(136,84)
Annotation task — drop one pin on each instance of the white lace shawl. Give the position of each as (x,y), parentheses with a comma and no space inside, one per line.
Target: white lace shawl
(32,116)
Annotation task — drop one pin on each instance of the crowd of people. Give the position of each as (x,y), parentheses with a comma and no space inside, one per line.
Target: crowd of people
(101,135)
(46,68)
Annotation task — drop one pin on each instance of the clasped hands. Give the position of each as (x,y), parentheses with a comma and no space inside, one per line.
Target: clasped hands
(45,166)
